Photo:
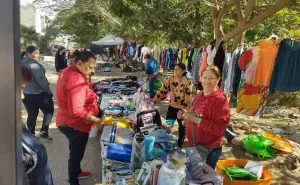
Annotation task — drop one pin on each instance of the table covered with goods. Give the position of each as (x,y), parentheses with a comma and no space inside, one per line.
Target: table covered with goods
(138,147)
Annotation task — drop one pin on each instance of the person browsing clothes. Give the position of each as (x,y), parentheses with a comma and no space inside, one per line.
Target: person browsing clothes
(152,72)
(77,110)
(180,89)
(208,117)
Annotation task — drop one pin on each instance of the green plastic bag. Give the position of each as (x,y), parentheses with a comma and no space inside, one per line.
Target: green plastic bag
(157,84)
(259,145)
(237,173)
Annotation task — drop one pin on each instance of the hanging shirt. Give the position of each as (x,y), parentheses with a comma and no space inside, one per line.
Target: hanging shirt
(184,55)
(211,53)
(225,73)
(145,50)
(196,68)
(267,56)
(250,72)
(286,72)
(203,66)
(195,54)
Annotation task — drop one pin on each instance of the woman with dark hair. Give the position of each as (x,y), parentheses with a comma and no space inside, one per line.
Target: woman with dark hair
(77,110)
(60,60)
(180,89)
(37,93)
(208,117)
(34,154)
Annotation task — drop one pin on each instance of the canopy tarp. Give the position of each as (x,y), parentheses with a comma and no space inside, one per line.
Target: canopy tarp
(109,40)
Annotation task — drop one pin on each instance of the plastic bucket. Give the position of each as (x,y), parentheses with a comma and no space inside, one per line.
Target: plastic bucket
(265,179)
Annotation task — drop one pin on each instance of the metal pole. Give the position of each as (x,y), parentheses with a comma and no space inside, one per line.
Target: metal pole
(10,104)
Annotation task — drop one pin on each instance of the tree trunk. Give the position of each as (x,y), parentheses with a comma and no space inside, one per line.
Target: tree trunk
(239,40)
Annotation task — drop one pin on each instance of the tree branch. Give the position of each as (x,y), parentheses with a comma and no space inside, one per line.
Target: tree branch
(249,8)
(240,14)
(257,19)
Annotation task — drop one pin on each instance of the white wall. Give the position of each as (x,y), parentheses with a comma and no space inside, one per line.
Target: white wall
(32,17)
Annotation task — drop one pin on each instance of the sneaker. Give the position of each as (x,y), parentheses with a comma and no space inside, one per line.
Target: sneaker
(84,175)
(45,136)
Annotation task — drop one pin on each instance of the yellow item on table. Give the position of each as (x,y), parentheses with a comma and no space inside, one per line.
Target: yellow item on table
(108,121)
(121,66)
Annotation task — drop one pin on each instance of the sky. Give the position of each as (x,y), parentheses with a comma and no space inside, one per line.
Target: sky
(23,2)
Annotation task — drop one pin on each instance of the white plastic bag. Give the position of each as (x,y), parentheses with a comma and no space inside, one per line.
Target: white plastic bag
(169,175)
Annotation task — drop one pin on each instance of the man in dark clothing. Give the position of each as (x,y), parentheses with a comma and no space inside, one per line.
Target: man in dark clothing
(60,60)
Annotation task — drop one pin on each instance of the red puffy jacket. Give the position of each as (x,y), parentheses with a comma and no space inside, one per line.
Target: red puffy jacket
(215,112)
(75,99)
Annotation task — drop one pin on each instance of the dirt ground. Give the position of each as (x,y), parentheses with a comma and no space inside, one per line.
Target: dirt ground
(285,168)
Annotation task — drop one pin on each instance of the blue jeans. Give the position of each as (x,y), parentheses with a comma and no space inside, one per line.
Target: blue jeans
(213,157)
(151,86)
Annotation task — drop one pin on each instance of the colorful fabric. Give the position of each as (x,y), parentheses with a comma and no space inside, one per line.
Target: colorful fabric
(251,98)
(267,56)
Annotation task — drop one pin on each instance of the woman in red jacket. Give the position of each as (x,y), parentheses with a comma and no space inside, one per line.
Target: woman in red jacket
(208,117)
(77,110)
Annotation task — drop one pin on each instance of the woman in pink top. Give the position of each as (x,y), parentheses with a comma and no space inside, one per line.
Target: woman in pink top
(77,110)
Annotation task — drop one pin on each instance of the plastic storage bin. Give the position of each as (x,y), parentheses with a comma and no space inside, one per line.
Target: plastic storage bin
(265,179)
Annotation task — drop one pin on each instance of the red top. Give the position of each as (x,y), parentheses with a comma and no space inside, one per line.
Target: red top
(75,99)
(215,112)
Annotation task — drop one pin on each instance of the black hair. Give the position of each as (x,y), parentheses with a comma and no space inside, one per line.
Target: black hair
(147,56)
(26,74)
(31,49)
(84,56)
(182,67)
(59,50)
(23,54)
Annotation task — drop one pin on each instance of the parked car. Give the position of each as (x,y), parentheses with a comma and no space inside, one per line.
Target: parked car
(55,48)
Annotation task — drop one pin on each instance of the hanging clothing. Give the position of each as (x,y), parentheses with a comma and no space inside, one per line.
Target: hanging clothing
(168,54)
(286,72)
(250,72)
(195,54)
(184,55)
(250,98)
(211,51)
(173,58)
(145,51)
(231,71)
(155,54)
(196,68)
(267,56)
(163,59)
(139,53)
(203,66)
(225,73)
(190,61)
(179,58)
(236,74)
(219,60)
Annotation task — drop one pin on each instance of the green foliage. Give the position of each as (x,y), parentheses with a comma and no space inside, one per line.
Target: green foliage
(83,26)
(28,34)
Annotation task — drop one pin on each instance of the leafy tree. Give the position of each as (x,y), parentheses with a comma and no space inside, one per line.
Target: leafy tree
(248,14)
(28,34)
(84,27)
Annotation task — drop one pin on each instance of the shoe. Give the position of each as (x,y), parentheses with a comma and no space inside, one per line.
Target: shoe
(84,175)
(45,136)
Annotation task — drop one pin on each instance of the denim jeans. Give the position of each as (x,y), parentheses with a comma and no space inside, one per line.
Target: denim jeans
(151,86)
(41,174)
(77,144)
(213,157)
